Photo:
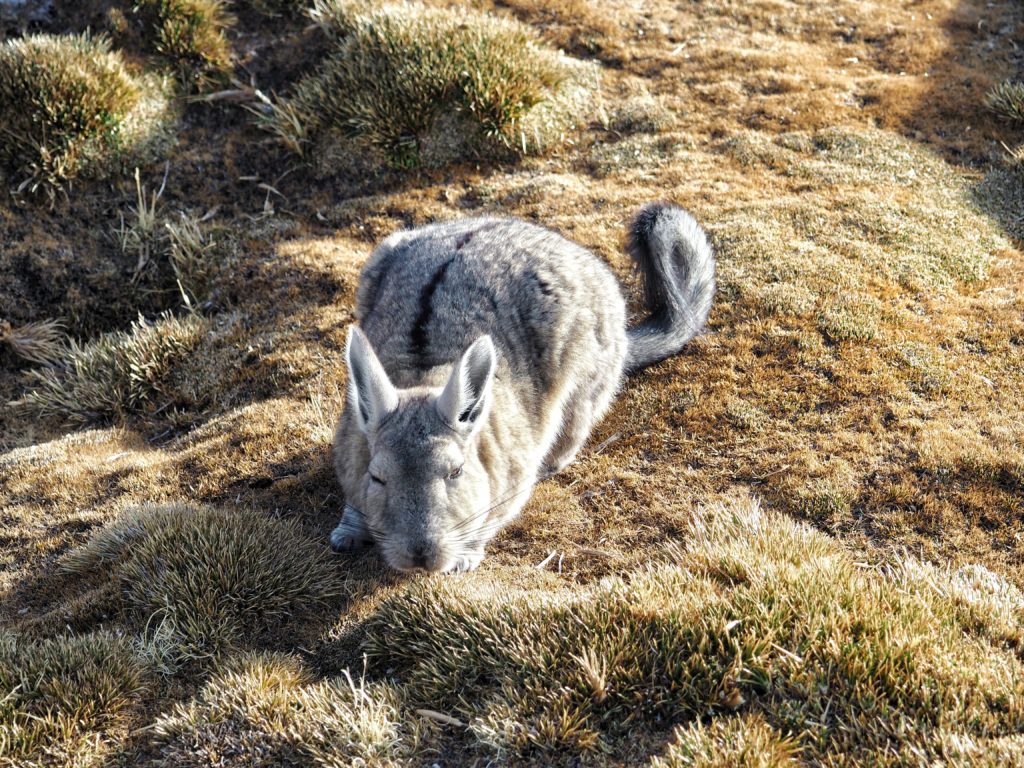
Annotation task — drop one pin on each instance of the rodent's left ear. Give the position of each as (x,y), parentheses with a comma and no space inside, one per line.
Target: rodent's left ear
(466,398)
(370,392)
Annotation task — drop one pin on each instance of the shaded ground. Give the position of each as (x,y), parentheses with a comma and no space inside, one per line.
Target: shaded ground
(863,372)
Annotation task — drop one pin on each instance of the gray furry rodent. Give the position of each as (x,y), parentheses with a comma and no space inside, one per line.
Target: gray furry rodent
(488,350)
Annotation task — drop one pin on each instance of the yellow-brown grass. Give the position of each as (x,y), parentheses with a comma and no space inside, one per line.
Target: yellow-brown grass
(64,700)
(114,374)
(757,614)
(190,36)
(39,342)
(1007,99)
(272,707)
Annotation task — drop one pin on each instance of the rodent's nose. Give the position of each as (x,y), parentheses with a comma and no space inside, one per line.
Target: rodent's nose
(418,555)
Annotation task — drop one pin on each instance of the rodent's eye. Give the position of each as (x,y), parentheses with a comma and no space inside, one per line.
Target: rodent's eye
(454,473)
(376,479)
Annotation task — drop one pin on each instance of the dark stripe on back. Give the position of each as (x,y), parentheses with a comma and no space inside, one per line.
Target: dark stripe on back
(418,336)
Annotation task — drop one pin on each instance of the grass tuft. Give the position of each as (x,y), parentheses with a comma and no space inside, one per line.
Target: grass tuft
(1007,100)
(60,698)
(190,36)
(72,108)
(642,114)
(40,342)
(269,706)
(745,741)
(157,241)
(115,374)
(205,580)
(426,86)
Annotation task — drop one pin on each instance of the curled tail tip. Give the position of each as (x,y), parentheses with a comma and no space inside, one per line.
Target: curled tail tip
(678,267)
(660,221)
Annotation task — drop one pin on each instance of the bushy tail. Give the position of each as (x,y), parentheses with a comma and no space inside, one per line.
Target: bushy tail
(678,268)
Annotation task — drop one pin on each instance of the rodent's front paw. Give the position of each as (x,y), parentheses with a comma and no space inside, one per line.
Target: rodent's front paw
(343,541)
(467,562)
(351,534)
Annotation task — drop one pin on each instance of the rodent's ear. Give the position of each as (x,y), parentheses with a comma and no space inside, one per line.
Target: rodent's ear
(371,395)
(466,398)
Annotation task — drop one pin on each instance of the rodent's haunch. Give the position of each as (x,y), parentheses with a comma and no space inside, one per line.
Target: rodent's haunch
(485,352)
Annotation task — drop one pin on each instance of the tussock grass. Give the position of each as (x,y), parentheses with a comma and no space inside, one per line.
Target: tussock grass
(758,616)
(115,374)
(1007,99)
(190,36)
(72,108)
(267,710)
(204,580)
(60,697)
(139,234)
(424,86)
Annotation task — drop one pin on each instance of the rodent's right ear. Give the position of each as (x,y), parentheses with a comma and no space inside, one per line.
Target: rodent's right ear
(371,395)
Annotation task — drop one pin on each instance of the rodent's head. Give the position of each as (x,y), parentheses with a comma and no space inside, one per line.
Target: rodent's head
(425,493)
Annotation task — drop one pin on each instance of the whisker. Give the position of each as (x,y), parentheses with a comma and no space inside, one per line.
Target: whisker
(376,533)
(526,488)
(461,531)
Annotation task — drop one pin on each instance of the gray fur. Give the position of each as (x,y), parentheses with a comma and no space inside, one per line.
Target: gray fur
(488,350)
(678,267)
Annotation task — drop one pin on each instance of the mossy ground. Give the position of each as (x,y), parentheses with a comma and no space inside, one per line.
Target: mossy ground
(813,515)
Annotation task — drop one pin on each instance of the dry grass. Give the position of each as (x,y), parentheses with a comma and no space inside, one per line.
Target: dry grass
(41,342)
(728,741)
(1007,99)
(582,27)
(168,249)
(114,374)
(642,114)
(64,700)
(72,108)
(425,86)
(202,580)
